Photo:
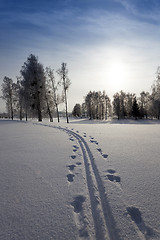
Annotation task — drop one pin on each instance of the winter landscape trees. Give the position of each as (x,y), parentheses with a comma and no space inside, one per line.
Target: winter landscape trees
(97,105)
(37,93)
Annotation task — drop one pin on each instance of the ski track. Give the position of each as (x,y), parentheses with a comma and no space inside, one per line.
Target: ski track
(102,217)
(104,223)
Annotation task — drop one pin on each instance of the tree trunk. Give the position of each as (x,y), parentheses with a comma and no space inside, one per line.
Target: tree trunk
(39,112)
(48,108)
(20,113)
(49,111)
(66,108)
(11,111)
(57,112)
(26,116)
(65,95)
(39,108)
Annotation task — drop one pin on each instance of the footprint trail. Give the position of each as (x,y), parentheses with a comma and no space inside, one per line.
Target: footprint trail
(105,227)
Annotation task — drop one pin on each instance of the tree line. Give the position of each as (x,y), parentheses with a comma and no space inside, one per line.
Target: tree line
(97,105)
(36,92)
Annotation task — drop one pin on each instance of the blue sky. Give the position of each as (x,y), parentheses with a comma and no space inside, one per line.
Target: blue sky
(109,45)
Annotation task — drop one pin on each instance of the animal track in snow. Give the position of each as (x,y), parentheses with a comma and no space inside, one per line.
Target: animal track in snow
(136,216)
(93,141)
(77,203)
(104,155)
(70,177)
(71,167)
(74,150)
(71,139)
(113,178)
(111,171)
(99,150)
(75,146)
(78,163)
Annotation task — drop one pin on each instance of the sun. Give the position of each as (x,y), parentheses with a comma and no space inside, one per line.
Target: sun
(117,74)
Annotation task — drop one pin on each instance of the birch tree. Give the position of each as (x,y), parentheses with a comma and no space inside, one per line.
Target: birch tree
(54,87)
(63,72)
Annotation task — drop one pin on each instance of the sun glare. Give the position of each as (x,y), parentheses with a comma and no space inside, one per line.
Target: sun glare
(116,75)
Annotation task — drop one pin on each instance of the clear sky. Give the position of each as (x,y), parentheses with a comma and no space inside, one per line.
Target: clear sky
(109,45)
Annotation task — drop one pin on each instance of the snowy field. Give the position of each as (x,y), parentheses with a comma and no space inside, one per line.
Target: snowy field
(82,180)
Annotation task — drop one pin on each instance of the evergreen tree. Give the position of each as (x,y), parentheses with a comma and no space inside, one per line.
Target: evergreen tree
(33,86)
(77,110)
(135,109)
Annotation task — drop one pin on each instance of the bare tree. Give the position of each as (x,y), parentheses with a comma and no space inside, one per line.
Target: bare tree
(119,104)
(47,98)
(97,105)
(7,94)
(54,87)
(156,95)
(17,98)
(63,72)
(145,104)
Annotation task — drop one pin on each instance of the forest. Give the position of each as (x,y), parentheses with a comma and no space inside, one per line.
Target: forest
(36,94)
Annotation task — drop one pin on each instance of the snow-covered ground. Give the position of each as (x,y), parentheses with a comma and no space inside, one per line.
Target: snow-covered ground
(82,180)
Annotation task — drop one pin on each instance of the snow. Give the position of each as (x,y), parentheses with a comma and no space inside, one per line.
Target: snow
(82,180)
